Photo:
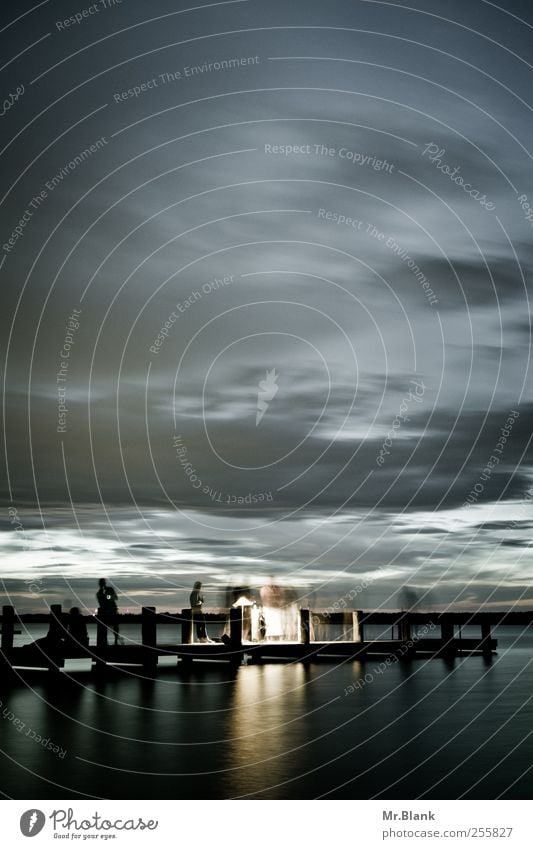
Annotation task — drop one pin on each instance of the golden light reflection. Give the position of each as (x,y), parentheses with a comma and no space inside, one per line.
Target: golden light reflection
(264,722)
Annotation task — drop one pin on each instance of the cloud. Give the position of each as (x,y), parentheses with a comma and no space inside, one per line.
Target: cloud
(185,196)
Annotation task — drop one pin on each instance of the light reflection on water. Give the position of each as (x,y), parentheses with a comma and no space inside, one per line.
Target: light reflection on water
(433,727)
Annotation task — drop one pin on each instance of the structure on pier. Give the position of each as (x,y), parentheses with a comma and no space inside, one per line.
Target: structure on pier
(411,635)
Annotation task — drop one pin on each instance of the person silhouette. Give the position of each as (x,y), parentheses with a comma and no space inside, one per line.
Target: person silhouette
(77,633)
(197,600)
(272,598)
(107,603)
(53,642)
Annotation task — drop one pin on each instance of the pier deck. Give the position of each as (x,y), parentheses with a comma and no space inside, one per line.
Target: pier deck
(409,638)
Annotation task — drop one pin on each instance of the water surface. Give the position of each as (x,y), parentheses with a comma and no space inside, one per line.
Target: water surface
(426,728)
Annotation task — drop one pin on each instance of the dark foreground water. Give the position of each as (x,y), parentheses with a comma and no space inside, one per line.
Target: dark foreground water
(429,728)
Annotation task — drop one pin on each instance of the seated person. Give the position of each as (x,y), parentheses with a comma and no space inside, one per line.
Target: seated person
(77,635)
(52,643)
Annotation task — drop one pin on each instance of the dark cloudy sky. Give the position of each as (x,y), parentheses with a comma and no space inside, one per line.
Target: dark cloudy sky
(195,169)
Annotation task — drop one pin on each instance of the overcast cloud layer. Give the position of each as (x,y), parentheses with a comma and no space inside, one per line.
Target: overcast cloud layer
(269,313)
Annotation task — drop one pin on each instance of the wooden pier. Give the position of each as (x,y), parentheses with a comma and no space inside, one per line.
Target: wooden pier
(404,635)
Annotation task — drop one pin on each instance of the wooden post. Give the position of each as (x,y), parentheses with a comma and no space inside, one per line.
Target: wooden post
(346,624)
(8,626)
(101,630)
(361,627)
(56,631)
(235,628)
(186,626)
(101,640)
(8,629)
(404,628)
(486,637)
(235,635)
(149,637)
(447,637)
(311,627)
(356,630)
(305,631)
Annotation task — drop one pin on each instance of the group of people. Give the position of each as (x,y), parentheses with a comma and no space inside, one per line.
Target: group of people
(74,634)
(275,617)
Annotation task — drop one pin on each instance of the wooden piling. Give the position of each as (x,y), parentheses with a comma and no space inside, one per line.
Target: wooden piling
(404,628)
(356,628)
(149,637)
(8,630)
(8,626)
(447,637)
(235,635)
(56,631)
(101,640)
(360,625)
(186,626)
(486,637)
(101,630)
(305,629)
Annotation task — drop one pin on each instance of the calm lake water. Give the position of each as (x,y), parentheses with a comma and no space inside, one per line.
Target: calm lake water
(425,729)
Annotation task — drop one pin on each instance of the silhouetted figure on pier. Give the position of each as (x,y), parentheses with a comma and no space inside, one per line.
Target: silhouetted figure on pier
(51,643)
(52,646)
(197,601)
(77,634)
(272,598)
(108,608)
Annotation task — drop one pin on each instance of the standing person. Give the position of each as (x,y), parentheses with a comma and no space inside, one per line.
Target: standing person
(198,615)
(107,602)
(272,599)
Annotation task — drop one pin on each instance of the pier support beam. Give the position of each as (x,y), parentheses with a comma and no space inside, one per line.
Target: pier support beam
(486,637)
(56,631)
(305,629)
(447,637)
(186,626)
(149,638)
(356,627)
(235,628)
(8,629)
(404,628)
(235,635)
(360,625)
(101,640)
(8,626)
